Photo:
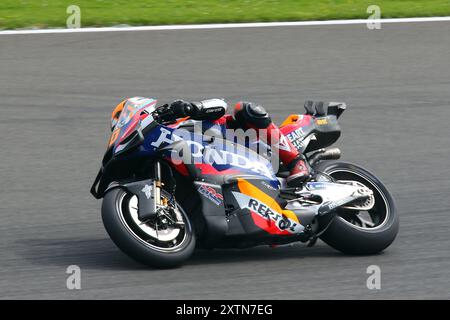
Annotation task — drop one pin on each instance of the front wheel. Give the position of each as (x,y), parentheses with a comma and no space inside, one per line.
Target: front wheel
(154,243)
(361,232)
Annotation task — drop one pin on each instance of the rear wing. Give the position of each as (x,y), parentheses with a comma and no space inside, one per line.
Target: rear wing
(318,110)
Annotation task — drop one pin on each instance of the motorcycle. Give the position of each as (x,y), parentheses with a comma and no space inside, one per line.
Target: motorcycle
(157,208)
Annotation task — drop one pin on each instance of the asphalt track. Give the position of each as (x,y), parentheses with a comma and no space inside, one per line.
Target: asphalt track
(56,94)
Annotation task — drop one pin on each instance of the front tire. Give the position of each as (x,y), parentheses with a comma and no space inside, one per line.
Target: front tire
(139,241)
(351,232)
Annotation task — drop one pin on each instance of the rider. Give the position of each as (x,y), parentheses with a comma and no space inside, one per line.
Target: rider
(247,115)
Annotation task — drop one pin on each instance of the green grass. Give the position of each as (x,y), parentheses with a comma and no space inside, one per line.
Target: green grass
(52,13)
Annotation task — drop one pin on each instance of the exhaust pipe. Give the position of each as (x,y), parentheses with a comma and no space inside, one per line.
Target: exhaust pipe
(325,154)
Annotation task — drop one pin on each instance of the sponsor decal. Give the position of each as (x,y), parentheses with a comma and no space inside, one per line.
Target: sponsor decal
(283,144)
(295,137)
(212,155)
(213,110)
(330,205)
(322,122)
(281,221)
(147,190)
(114,136)
(268,185)
(211,194)
(316,185)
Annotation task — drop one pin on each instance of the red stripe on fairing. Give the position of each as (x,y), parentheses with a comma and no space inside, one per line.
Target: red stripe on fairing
(267,224)
(209,169)
(222,120)
(131,127)
(204,168)
(180,167)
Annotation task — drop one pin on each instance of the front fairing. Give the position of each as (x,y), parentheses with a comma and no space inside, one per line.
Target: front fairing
(137,135)
(126,137)
(129,123)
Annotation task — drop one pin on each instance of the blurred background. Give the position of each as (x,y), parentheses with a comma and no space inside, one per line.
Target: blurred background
(52,13)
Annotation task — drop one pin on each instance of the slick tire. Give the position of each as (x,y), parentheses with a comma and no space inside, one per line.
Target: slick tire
(353,239)
(134,242)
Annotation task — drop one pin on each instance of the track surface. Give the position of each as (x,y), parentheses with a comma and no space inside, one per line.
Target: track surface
(56,94)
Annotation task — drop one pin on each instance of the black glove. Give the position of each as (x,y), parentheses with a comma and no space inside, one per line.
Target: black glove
(177,109)
(195,110)
(181,108)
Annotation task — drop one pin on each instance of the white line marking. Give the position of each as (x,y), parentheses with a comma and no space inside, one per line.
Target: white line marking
(226,25)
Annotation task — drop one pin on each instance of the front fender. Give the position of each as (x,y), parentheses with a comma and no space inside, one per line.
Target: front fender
(145,190)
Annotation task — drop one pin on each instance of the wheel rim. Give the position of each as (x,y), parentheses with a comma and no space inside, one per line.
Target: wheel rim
(369,220)
(168,239)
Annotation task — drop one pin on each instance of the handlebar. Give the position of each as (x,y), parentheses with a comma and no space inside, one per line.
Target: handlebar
(170,113)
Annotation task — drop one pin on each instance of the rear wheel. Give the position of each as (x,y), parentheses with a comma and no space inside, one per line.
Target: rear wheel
(361,231)
(166,241)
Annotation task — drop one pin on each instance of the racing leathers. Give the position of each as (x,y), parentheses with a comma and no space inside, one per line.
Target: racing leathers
(248,115)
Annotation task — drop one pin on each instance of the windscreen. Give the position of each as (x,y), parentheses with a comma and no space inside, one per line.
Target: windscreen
(129,118)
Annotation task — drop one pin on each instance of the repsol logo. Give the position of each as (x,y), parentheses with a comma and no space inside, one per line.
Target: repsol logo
(266,212)
(263,210)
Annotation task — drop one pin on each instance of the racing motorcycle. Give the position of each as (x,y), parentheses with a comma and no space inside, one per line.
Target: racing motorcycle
(158,208)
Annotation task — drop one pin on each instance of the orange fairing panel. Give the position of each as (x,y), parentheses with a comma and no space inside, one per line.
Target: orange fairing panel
(180,121)
(116,113)
(291,119)
(274,220)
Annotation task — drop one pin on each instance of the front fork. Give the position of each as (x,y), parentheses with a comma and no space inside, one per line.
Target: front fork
(158,184)
(161,203)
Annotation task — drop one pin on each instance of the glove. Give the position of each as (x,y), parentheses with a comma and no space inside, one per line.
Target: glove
(181,108)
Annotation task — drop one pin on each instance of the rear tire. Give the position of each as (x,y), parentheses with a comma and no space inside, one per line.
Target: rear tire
(134,242)
(347,232)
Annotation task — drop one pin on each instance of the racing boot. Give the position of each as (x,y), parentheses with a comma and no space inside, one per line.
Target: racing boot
(298,171)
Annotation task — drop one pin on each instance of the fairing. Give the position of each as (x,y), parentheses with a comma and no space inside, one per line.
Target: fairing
(210,157)
(128,121)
